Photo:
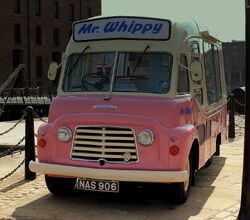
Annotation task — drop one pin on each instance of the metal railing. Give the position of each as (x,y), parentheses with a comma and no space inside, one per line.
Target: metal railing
(27,96)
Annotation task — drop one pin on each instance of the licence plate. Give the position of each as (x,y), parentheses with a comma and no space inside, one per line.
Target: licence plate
(97,185)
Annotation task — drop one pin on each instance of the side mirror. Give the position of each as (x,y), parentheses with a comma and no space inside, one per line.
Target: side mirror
(53,67)
(196,71)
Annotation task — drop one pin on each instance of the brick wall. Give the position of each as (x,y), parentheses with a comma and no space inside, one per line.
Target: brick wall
(28,49)
(234,63)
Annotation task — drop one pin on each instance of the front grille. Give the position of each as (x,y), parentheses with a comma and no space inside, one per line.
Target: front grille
(112,144)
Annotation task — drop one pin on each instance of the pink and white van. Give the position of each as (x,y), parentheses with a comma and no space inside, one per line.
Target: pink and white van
(139,100)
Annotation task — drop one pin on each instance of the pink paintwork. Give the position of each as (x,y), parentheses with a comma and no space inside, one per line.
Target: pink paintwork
(166,117)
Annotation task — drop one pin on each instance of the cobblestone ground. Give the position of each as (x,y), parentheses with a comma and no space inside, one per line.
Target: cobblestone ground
(19,191)
(215,196)
(14,190)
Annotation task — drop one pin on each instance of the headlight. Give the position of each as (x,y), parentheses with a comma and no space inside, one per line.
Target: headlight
(64,134)
(145,137)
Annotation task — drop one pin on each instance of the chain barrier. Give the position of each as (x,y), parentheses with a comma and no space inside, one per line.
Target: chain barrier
(12,128)
(38,116)
(241,116)
(13,171)
(239,126)
(12,149)
(15,149)
(240,104)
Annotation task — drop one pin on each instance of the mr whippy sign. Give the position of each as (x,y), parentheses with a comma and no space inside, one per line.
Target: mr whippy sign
(121,28)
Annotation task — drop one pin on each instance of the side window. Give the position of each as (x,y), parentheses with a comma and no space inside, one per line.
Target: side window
(195,56)
(199,95)
(195,47)
(212,73)
(183,82)
(217,73)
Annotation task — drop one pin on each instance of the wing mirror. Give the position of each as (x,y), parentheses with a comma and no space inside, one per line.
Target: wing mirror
(196,71)
(53,67)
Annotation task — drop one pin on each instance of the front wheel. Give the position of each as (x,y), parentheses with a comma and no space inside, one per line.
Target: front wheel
(60,186)
(179,192)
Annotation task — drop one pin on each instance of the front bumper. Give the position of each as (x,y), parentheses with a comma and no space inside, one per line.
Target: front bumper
(110,174)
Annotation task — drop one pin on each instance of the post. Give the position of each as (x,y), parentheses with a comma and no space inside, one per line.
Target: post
(29,143)
(231,130)
(244,213)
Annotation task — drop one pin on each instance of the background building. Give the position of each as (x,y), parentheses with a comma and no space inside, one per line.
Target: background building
(35,32)
(234,62)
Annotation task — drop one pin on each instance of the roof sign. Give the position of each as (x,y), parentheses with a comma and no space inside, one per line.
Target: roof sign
(121,28)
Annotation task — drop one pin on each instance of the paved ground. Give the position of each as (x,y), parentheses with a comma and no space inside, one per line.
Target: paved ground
(215,196)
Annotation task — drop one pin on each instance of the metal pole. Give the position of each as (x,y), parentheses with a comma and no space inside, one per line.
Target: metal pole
(29,143)
(231,130)
(244,213)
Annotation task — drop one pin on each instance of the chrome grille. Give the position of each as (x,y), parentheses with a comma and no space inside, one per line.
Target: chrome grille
(112,144)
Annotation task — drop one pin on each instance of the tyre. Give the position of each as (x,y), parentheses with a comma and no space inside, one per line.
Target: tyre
(218,143)
(60,186)
(179,192)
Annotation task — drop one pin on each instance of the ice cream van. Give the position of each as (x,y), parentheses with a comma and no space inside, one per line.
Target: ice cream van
(139,100)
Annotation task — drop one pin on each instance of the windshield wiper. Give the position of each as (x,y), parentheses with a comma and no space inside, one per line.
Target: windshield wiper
(140,59)
(77,60)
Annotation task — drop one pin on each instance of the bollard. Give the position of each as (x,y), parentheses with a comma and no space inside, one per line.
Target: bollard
(29,143)
(231,131)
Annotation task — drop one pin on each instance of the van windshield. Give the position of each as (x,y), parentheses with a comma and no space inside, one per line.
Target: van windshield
(135,72)
(92,72)
(146,73)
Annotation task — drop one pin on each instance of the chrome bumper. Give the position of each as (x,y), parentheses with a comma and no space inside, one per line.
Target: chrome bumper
(110,174)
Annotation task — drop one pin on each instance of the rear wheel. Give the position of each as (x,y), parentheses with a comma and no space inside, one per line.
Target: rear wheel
(60,186)
(179,192)
(218,143)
